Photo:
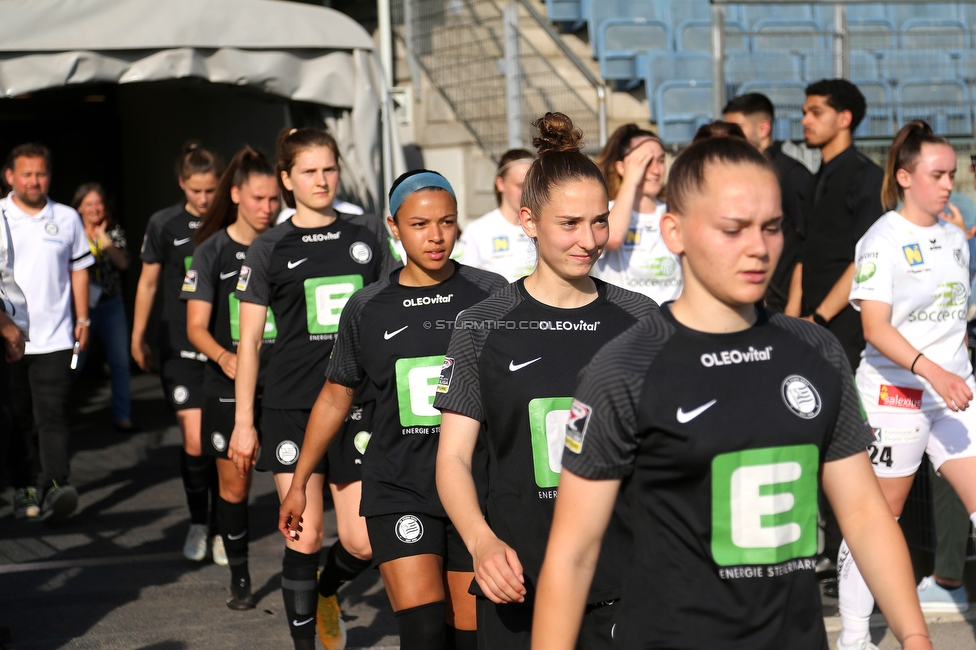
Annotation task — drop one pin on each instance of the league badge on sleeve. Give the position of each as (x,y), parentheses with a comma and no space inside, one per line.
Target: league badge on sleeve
(447,373)
(243,278)
(190,281)
(579,419)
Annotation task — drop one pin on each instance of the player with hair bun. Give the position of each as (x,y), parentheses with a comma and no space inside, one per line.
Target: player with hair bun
(510,371)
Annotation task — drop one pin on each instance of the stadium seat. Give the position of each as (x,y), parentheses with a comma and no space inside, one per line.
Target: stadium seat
(777,34)
(754,14)
(597,12)
(902,13)
(681,10)
(787,98)
(564,10)
(944,105)
(869,13)
(923,33)
(820,65)
(683,106)
(932,65)
(686,66)
(877,123)
(696,36)
(623,40)
(966,65)
(780,65)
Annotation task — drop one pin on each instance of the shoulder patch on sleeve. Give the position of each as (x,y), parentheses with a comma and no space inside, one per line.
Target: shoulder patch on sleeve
(243,278)
(190,281)
(579,418)
(447,373)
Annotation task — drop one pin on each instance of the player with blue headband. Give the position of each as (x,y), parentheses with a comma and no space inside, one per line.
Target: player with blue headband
(392,339)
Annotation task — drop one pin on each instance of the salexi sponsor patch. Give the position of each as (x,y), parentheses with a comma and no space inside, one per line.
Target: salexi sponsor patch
(730,357)
(447,373)
(579,419)
(190,281)
(900,397)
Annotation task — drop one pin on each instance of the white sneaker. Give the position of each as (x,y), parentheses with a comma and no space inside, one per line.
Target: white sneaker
(217,549)
(195,546)
(860,644)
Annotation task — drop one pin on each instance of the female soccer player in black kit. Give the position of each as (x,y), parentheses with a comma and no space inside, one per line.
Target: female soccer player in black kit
(305,270)
(166,254)
(717,419)
(511,369)
(393,334)
(244,206)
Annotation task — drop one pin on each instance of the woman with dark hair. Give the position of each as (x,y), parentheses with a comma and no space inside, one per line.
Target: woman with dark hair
(243,207)
(911,285)
(305,270)
(719,420)
(106,239)
(495,241)
(413,543)
(633,164)
(167,250)
(510,370)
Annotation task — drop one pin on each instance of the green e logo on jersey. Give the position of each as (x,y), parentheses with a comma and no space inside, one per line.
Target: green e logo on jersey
(186,263)
(325,298)
(270,329)
(547,426)
(416,381)
(764,505)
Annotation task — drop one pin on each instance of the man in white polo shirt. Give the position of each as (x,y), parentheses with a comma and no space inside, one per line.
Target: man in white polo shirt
(50,267)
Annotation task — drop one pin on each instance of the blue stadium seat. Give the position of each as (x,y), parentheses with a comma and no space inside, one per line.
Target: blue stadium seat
(681,10)
(564,10)
(966,65)
(754,14)
(921,33)
(683,106)
(623,40)
(742,68)
(871,27)
(869,13)
(596,12)
(877,123)
(820,65)
(685,66)
(787,98)
(933,65)
(778,34)
(696,36)
(900,13)
(944,105)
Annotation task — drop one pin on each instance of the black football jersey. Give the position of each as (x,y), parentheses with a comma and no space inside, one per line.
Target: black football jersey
(169,241)
(395,337)
(213,278)
(306,276)
(718,439)
(512,365)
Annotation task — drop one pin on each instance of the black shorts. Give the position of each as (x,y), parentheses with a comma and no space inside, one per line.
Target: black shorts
(458,559)
(282,434)
(349,446)
(217,424)
(182,382)
(405,535)
(510,625)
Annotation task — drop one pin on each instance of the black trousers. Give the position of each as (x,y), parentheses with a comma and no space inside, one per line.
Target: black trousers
(6,419)
(39,387)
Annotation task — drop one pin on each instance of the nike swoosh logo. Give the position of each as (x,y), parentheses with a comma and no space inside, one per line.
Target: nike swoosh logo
(684,418)
(513,366)
(297,624)
(180,242)
(292,265)
(390,335)
(224,276)
(236,537)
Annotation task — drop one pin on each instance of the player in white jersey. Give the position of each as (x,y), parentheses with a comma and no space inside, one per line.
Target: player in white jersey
(495,241)
(633,162)
(911,285)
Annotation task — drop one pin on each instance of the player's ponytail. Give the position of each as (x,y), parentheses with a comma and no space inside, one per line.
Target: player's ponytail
(292,142)
(194,159)
(223,211)
(904,154)
(560,161)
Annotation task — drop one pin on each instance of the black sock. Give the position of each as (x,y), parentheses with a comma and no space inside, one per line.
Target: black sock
(340,566)
(298,592)
(196,482)
(462,639)
(422,628)
(304,644)
(232,518)
(946,586)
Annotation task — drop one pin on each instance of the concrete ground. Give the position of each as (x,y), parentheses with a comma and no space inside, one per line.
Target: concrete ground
(114,576)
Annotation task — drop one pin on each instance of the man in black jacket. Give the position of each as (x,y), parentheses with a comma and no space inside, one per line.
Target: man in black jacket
(753,112)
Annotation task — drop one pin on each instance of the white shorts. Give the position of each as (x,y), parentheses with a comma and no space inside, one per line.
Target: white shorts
(902,438)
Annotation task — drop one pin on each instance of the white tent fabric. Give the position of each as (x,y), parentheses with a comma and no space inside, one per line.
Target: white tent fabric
(292,50)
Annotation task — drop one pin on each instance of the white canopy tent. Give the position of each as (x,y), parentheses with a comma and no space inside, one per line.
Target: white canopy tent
(285,49)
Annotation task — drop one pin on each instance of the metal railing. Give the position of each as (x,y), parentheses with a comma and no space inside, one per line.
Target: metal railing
(496,80)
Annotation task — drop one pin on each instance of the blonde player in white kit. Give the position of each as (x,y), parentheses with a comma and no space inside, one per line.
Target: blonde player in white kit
(495,241)
(633,163)
(911,285)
